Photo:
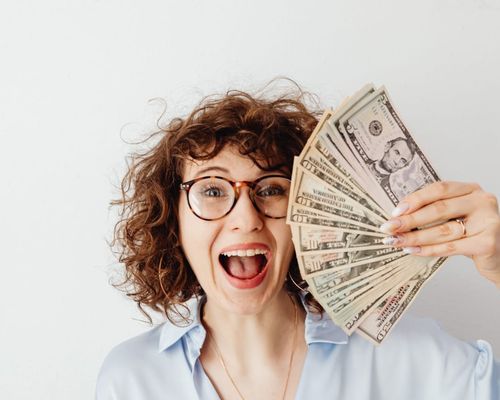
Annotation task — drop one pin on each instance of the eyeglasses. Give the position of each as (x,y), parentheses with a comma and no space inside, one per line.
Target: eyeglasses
(213,197)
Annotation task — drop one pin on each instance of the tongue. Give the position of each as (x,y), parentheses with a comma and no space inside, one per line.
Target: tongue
(243,267)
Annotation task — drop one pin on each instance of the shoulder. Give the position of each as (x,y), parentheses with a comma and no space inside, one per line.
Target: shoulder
(141,368)
(157,362)
(421,353)
(417,338)
(126,357)
(421,330)
(418,360)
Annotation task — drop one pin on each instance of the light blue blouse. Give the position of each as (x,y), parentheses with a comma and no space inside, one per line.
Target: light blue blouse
(417,361)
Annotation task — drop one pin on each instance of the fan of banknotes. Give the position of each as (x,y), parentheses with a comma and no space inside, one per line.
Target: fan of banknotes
(359,162)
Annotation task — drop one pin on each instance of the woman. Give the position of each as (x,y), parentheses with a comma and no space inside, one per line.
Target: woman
(223,273)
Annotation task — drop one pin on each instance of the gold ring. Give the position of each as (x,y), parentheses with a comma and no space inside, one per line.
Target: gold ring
(461,221)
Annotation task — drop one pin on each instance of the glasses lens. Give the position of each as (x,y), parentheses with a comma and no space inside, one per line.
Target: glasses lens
(211,198)
(271,196)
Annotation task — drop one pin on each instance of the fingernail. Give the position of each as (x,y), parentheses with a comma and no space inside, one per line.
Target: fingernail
(391,240)
(411,250)
(390,226)
(400,209)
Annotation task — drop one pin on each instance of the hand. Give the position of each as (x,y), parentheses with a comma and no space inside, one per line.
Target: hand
(439,205)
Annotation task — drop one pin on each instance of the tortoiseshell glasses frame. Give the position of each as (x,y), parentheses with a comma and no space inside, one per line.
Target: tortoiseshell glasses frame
(271,204)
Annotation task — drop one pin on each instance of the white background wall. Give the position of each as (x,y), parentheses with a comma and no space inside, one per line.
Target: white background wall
(74,73)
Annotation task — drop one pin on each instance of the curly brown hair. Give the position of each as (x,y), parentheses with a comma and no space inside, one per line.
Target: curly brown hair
(268,130)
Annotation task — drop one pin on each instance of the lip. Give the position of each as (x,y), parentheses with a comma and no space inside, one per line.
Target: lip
(245,246)
(257,279)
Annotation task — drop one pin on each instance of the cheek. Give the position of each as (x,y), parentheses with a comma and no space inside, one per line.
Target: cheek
(283,236)
(196,237)
(190,234)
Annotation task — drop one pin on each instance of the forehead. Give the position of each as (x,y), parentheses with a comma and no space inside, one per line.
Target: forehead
(400,145)
(228,163)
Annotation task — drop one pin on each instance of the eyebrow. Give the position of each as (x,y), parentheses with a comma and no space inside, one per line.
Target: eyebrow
(214,168)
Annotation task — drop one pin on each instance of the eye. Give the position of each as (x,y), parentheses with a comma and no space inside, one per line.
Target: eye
(271,190)
(212,190)
(397,152)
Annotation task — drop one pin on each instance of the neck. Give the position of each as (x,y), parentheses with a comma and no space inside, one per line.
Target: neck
(254,336)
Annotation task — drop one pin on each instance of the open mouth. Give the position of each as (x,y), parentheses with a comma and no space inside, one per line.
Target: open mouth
(244,264)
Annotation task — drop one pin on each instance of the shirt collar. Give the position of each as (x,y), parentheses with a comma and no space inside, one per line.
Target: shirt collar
(318,328)
(171,333)
(321,329)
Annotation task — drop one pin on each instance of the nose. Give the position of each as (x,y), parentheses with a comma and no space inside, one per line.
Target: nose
(399,162)
(244,216)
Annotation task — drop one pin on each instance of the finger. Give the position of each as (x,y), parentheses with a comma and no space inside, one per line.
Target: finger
(431,193)
(442,233)
(440,210)
(466,246)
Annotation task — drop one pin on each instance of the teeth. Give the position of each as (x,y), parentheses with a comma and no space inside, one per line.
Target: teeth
(244,253)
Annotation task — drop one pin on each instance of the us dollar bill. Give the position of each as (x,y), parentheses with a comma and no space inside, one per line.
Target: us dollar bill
(357,276)
(359,162)
(302,216)
(322,284)
(332,157)
(310,192)
(351,320)
(383,318)
(327,144)
(311,156)
(341,148)
(312,239)
(341,190)
(342,296)
(317,264)
(338,167)
(345,295)
(382,144)
(324,141)
(351,305)
(313,161)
